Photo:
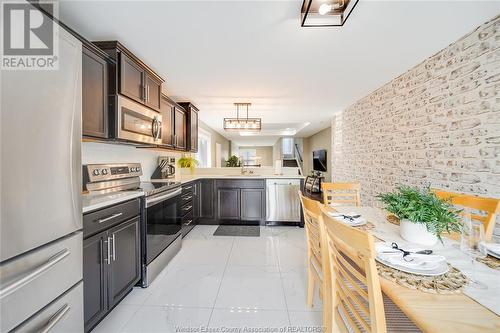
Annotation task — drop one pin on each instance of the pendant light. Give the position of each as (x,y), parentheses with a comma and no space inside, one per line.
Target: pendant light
(242,124)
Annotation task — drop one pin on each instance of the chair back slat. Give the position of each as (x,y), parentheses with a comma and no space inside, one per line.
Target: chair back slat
(311,211)
(356,292)
(490,208)
(347,194)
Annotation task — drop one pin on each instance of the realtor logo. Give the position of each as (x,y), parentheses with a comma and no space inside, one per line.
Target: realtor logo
(29,40)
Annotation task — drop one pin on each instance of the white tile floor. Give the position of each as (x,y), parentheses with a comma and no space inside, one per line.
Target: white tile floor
(224,282)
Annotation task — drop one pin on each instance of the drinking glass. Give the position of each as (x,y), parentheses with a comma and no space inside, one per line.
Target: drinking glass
(472,242)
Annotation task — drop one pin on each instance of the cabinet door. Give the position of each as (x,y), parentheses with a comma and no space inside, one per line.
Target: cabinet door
(228,204)
(124,271)
(153,91)
(206,199)
(252,204)
(196,201)
(193,130)
(167,115)
(95,267)
(180,128)
(131,79)
(94,95)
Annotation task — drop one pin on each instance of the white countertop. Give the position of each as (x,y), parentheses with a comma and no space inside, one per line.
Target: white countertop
(187,179)
(92,202)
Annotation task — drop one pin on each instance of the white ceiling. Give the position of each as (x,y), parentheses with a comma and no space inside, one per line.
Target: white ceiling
(215,53)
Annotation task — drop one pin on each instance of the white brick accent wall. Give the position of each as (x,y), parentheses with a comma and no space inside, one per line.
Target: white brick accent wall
(437,124)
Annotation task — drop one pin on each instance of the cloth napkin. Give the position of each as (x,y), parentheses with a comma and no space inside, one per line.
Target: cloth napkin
(421,262)
(344,218)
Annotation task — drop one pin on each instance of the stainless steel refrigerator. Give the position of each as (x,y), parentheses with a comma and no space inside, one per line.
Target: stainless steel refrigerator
(41,217)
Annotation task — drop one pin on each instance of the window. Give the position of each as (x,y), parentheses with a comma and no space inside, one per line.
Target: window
(249,156)
(287,147)
(204,154)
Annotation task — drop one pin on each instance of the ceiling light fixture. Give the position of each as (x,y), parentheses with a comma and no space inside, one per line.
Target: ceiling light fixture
(326,13)
(324,8)
(242,124)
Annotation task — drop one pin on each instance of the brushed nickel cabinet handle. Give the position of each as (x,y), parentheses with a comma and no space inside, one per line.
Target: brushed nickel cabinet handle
(105,219)
(108,252)
(114,247)
(57,317)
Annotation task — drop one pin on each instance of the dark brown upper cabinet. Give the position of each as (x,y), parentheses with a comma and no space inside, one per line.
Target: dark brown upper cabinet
(180,125)
(192,126)
(167,107)
(133,78)
(153,91)
(95,110)
(174,124)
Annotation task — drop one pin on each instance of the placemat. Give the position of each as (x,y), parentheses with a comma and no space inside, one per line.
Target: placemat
(450,283)
(490,261)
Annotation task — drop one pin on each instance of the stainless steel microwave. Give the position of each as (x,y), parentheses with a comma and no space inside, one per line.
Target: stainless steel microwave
(135,122)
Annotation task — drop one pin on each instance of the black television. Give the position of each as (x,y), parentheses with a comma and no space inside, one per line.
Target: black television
(319,160)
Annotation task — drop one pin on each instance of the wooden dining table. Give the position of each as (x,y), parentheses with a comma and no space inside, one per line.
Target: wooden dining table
(438,313)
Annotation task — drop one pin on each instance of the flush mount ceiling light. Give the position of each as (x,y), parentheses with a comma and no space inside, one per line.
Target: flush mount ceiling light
(242,124)
(326,13)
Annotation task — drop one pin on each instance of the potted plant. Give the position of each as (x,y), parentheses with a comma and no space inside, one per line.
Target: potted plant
(188,161)
(233,162)
(424,217)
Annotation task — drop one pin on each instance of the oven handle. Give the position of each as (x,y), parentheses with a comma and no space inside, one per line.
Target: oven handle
(155,200)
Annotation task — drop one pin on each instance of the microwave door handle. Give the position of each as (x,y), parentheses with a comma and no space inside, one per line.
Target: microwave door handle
(154,128)
(158,136)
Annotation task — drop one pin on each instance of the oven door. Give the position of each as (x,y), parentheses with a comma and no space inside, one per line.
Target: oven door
(136,122)
(163,222)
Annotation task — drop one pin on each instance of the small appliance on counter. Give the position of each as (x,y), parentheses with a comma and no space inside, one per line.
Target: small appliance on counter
(165,168)
(160,211)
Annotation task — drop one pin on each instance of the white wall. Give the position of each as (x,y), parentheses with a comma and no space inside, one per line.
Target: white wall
(117,153)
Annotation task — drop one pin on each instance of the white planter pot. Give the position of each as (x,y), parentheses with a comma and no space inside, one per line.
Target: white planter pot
(416,233)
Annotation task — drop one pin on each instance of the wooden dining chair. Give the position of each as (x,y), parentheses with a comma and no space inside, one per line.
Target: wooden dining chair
(312,212)
(341,194)
(484,209)
(318,273)
(358,304)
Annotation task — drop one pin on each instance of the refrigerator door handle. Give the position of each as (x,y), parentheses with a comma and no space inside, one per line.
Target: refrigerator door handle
(27,278)
(57,317)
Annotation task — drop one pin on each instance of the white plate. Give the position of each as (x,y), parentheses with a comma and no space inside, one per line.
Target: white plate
(493,254)
(359,221)
(440,270)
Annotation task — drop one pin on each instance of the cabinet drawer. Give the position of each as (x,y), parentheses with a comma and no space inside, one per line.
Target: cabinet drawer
(240,183)
(188,189)
(64,315)
(187,198)
(187,208)
(110,216)
(34,280)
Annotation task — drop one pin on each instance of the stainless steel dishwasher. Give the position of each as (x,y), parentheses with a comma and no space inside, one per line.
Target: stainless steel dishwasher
(282,200)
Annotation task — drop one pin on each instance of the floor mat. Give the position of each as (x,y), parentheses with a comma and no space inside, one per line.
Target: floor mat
(238,230)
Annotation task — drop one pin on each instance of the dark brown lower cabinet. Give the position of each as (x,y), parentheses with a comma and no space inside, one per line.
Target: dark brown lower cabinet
(95,279)
(252,205)
(240,201)
(111,267)
(228,204)
(206,200)
(125,260)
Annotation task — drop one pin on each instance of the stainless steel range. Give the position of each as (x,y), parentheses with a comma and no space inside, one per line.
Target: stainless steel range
(161,215)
